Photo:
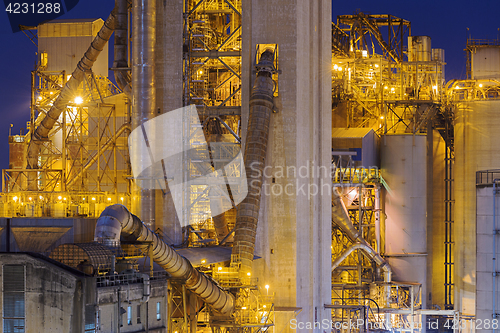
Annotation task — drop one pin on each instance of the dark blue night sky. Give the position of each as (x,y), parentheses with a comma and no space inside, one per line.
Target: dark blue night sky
(446,22)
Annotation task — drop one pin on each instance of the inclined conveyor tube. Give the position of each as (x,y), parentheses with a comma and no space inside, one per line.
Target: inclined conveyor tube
(247,214)
(116,220)
(341,217)
(68,92)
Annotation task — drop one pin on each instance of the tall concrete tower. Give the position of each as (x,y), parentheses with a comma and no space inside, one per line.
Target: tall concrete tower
(294,230)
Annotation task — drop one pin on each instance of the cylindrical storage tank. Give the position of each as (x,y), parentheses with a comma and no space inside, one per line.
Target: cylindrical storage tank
(420,48)
(405,171)
(477,134)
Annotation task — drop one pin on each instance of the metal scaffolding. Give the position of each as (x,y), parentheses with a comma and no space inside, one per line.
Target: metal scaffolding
(84,163)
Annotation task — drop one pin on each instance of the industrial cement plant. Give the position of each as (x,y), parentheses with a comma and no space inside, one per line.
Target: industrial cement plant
(252,168)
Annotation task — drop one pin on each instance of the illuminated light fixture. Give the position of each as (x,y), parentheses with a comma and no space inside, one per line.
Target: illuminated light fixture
(248,274)
(264,306)
(480,85)
(376,65)
(244,308)
(93,199)
(203,261)
(83,199)
(40,98)
(121,198)
(52,93)
(267,288)
(457,87)
(392,89)
(64,198)
(435,87)
(364,53)
(385,87)
(200,72)
(30,198)
(340,69)
(78,100)
(15,198)
(381,117)
(59,197)
(219,269)
(109,199)
(41,198)
(335,67)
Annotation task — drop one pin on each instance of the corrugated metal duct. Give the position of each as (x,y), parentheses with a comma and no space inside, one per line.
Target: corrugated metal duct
(67,93)
(261,106)
(116,220)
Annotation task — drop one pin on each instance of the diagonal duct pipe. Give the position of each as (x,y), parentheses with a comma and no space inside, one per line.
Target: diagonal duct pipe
(116,220)
(341,218)
(67,93)
(143,92)
(261,106)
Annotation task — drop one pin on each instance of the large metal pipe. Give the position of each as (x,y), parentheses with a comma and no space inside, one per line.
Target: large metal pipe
(370,253)
(116,220)
(68,92)
(143,93)
(261,106)
(120,62)
(341,218)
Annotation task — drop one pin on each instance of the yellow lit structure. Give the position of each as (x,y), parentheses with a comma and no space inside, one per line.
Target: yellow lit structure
(382,238)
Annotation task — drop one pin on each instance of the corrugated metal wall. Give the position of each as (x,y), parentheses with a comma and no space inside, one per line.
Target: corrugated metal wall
(66,42)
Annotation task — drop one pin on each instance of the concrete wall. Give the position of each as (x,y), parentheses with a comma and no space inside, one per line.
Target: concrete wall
(294,232)
(44,234)
(54,297)
(477,133)
(131,295)
(484,255)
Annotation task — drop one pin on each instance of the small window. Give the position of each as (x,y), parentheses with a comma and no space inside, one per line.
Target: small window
(129,315)
(158,311)
(13,298)
(138,314)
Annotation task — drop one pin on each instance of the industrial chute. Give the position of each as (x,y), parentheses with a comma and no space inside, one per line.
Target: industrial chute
(116,221)
(66,95)
(247,214)
(340,217)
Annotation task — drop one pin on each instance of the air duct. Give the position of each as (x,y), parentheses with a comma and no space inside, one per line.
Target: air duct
(116,220)
(67,93)
(261,106)
(143,93)
(340,217)
(120,62)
